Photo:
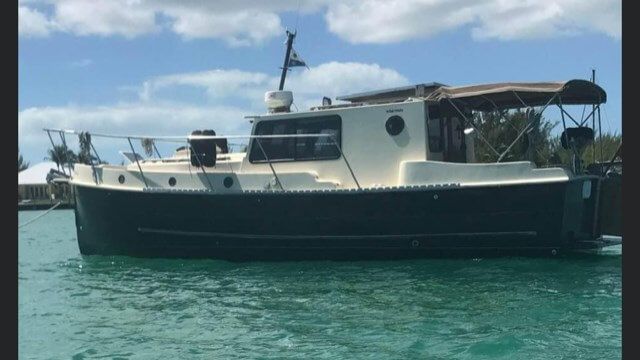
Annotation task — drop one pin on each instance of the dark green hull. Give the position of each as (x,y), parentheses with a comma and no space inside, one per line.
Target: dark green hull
(532,219)
(611,206)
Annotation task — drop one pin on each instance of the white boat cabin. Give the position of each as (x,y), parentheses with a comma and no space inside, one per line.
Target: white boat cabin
(390,138)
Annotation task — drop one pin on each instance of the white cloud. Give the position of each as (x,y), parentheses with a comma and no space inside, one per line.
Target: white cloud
(372,21)
(378,21)
(546,19)
(128,118)
(336,78)
(132,118)
(308,85)
(237,29)
(250,22)
(242,22)
(114,17)
(32,23)
(155,115)
(217,83)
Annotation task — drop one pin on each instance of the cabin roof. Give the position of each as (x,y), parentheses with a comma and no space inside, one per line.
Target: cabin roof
(391,94)
(485,97)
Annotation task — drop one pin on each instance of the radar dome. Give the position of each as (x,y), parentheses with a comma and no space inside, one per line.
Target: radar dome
(278,101)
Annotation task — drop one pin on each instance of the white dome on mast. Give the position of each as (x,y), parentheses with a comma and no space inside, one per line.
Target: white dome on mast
(278,101)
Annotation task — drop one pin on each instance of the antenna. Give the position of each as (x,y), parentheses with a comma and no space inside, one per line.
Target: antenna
(285,65)
(297,16)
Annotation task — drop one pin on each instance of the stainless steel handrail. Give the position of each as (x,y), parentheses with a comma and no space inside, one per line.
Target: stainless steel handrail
(269,162)
(181,139)
(135,155)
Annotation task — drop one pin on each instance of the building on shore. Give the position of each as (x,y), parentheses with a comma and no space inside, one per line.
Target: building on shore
(35,192)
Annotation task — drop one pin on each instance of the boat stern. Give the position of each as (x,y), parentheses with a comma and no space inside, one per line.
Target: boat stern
(582,223)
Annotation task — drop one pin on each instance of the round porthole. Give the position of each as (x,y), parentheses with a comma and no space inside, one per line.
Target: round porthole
(228,182)
(394,125)
(121,179)
(172,181)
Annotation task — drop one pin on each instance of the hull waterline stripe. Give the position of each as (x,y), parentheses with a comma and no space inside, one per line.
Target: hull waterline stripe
(338,237)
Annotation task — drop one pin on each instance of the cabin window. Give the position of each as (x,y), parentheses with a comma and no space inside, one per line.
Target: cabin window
(301,148)
(434,129)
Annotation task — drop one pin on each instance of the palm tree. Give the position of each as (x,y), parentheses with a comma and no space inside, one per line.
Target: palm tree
(84,155)
(609,144)
(85,158)
(60,155)
(22,165)
(538,145)
(500,131)
(148,145)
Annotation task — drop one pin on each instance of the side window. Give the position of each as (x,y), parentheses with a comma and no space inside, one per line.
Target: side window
(434,129)
(275,148)
(298,149)
(318,148)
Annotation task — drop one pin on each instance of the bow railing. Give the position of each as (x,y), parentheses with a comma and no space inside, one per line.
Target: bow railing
(187,139)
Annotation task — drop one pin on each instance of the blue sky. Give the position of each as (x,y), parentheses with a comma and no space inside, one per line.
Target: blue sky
(168,67)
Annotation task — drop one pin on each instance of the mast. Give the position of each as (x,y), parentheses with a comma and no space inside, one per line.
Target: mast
(285,65)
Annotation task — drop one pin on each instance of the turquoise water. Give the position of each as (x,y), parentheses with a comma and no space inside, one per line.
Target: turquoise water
(125,308)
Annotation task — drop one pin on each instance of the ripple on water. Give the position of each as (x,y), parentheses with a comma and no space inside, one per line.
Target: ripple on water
(118,307)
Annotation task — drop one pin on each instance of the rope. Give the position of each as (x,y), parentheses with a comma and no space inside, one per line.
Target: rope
(39,216)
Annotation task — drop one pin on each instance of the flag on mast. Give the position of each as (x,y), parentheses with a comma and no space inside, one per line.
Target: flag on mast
(296,60)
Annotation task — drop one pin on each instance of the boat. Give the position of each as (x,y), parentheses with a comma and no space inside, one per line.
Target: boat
(610,193)
(385,174)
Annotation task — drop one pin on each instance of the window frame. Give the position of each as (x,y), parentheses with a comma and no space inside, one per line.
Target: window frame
(250,150)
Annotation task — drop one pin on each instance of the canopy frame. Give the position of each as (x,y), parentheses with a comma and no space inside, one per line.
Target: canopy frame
(480,100)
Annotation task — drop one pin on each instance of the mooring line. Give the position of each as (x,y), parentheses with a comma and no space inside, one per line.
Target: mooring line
(41,215)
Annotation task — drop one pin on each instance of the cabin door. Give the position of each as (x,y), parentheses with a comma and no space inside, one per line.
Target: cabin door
(445,135)
(455,149)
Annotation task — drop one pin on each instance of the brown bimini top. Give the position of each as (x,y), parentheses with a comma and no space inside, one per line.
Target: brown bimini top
(487,97)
